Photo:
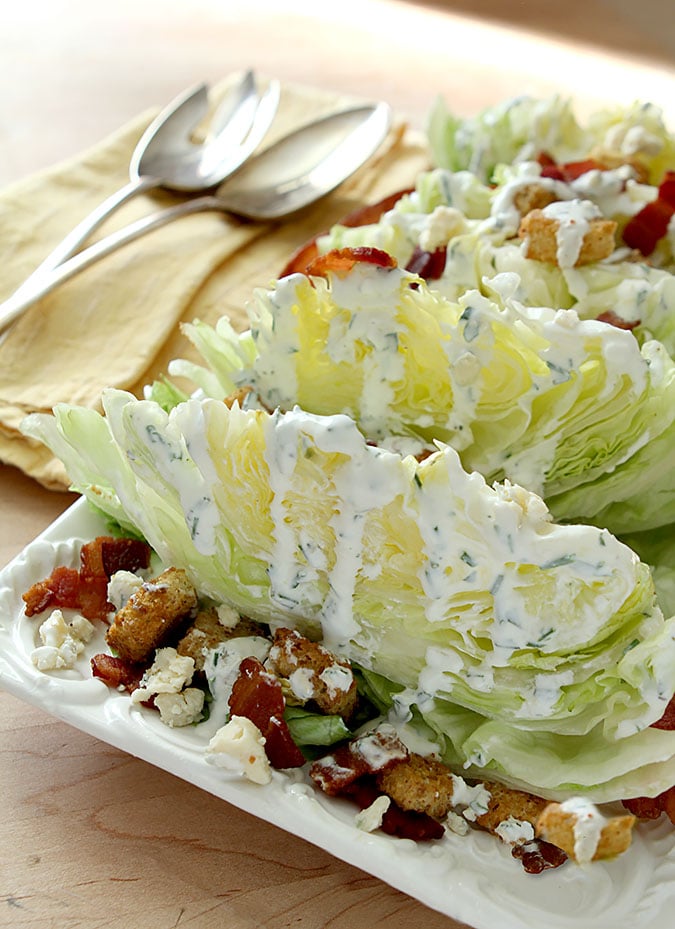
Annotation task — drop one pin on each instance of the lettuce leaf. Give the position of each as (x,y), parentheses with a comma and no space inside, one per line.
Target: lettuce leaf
(657,549)
(521,128)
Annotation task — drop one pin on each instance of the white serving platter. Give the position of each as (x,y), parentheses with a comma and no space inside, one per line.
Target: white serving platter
(470,878)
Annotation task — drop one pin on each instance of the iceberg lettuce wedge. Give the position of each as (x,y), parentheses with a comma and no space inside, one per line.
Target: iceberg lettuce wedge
(468,598)
(574,410)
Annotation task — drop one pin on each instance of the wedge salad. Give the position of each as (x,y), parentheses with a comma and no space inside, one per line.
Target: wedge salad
(440,464)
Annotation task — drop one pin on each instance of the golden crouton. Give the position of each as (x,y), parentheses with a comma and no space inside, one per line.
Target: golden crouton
(420,784)
(314,672)
(427,786)
(541,242)
(507,802)
(152,615)
(207,632)
(532,197)
(556,825)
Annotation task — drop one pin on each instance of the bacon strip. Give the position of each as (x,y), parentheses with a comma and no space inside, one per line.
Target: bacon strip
(647,227)
(86,590)
(429,265)
(406,824)
(341,260)
(257,695)
(652,807)
(667,721)
(570,170)
(363,216)
(116,672)
(610,317)
(537,856)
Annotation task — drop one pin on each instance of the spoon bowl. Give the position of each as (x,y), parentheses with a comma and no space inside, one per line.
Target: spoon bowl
(307,164)
(168,156)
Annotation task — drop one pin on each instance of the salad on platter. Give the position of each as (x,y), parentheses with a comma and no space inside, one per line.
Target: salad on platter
(411,532)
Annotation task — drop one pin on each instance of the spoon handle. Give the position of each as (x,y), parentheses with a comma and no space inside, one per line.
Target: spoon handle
(70,244)
(38,286)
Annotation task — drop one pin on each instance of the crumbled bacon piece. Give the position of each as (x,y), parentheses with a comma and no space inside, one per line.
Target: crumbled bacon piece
(301,258)
(644,807)
(341,260)
(86,590)
(116,672)
(371,753)
(538,855)
(257,695)
(363,216)
(644,230)
(667,721)
(610,317)
(667,801)
(569,171)
(652,807)
(350,771)
(429,265)
(123,555)
(406,824)
(60,589)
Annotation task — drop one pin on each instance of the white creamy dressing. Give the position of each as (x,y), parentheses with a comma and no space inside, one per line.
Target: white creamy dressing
(408,225)
(368,479)
(158,442)
(504,214)
(337,678)
(361,297)
(475,538)
(221,668)
(378,748)
(569,343)
(367,301)
(613,191)
(491,560)
(588,825)
(274,375)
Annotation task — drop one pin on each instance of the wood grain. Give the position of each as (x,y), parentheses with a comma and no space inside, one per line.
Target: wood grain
(92,837)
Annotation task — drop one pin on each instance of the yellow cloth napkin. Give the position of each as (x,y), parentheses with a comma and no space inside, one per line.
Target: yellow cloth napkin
(118,322)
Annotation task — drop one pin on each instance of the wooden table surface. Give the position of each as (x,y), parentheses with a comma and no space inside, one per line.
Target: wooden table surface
(90,836)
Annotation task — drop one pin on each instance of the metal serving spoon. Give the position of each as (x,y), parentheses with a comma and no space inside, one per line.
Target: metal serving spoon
(297,170)
(167,157)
